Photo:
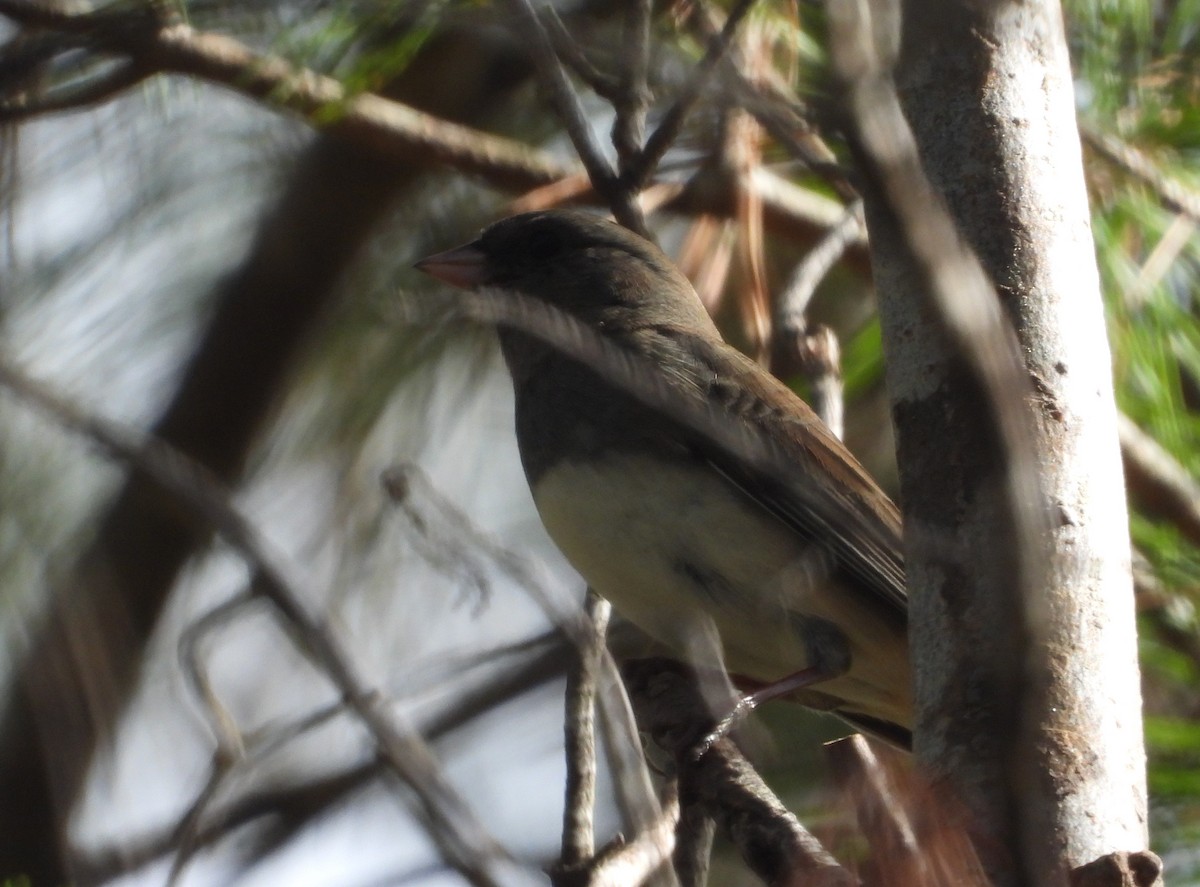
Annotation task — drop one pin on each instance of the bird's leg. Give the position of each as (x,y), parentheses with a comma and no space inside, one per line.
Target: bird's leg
(806,677)
(828,655)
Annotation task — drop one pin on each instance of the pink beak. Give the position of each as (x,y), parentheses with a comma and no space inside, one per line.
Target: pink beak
(464,266)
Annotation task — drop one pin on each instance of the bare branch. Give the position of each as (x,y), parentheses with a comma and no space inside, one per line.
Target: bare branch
(693,845)
(572,55)
(634,862)
(633,94)
(1174,194)
(290,806)
(449,821)
(230,743)
(881,814)
(814,351)
(578,840)
(793,301)
(1160,485)
(188,837)
(620,197)
(563,97)
(634,789)
(369,120)
(398,131)
(669,127)
(93,92)
(814,354)
(778,115)
(388,127)
(779,112)
(672,709)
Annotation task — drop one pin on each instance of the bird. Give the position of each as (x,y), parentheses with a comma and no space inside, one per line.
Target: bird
(683,481)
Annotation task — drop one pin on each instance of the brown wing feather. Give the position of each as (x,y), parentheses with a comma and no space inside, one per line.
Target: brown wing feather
(849,513)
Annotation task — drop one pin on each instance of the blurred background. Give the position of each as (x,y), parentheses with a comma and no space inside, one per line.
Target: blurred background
(218,259)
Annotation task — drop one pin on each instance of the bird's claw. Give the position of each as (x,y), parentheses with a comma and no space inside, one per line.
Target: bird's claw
(740,711)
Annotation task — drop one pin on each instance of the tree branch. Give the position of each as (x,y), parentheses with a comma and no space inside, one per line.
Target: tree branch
(448,818)
(619,195)
(672,709)
(578,840)
(1160,485)
(1174,194)
(633,93)
(85,95)
(381,125)
(668,128)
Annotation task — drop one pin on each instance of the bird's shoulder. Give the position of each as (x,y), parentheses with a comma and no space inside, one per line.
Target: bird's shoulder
(763,438)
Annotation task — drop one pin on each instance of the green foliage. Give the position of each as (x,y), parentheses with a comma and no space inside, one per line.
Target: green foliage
(364,45)
(862,360)
(1177,741)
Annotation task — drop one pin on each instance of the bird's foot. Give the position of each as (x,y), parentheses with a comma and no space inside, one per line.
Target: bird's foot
(749,702)
(727,724)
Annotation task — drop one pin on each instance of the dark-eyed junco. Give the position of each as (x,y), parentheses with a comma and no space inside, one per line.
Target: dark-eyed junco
(719,495)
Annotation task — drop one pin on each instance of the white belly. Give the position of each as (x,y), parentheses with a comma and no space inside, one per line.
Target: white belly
(641,544)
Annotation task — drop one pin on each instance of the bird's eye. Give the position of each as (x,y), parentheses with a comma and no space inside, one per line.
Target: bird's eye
(544,244)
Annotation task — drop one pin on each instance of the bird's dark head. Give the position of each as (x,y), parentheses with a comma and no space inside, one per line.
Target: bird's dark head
(590,267)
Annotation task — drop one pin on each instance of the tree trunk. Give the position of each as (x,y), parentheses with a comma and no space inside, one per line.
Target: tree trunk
(1028,710)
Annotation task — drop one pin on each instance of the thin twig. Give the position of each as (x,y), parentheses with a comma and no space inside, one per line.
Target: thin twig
(414,491)
(1174,194)
(693,844)
(572,55)
(235,752)
(579,839)
(448,819)
(668,128)
(673,710)
(777,110)
(464,544)
(562,96)
(632,784)
(189,836)
(792,303)
(289,808)
(813,351)
(230,742)
(293,806)
(1157,481)
(86,95)
(881,814)
(620,197)
(633,95)
(814,354)
(784,118)
(378,124)
(634,862)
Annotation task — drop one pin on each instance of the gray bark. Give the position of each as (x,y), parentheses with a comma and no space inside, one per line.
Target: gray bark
(1029,707)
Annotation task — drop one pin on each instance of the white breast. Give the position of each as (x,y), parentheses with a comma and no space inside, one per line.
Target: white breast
(643,542)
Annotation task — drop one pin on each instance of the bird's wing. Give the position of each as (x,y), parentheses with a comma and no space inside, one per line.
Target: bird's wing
(774,448)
